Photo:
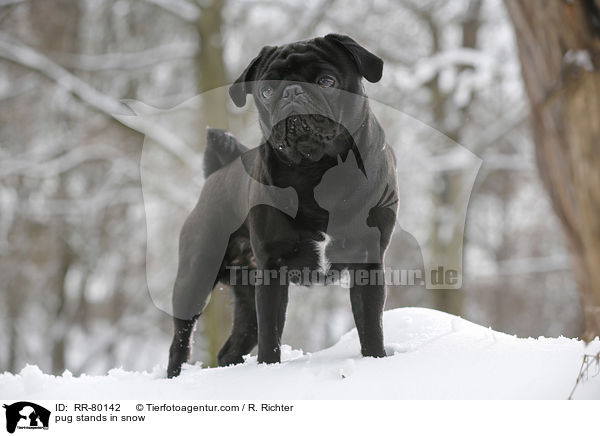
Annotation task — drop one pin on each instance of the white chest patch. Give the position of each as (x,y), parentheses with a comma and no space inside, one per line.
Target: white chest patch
(321,248)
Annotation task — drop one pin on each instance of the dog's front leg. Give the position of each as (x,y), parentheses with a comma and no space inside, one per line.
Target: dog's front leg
(271,304)
(180,349)
(367,296)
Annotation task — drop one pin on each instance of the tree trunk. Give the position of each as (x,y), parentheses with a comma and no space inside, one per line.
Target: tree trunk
(211,74)
(450,300)
(210,67)
(559,48)
(56,25)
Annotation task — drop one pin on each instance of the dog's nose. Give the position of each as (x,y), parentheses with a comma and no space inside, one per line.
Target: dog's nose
(290,91)
(308,149)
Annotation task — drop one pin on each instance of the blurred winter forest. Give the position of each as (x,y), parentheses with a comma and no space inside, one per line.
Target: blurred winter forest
(73,221)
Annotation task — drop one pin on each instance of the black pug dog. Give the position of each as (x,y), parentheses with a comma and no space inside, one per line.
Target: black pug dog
(318,196)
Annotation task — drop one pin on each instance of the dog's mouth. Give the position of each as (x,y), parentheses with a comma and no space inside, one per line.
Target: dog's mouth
(309,135)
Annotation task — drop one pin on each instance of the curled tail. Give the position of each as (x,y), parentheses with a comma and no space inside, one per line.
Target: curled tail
(221,149)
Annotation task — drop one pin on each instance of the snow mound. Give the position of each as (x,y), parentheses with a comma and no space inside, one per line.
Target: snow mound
(431,355)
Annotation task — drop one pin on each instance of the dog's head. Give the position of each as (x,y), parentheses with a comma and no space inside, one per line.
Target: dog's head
(308,93)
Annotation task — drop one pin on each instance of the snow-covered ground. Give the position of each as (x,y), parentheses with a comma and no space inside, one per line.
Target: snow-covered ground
(432,355)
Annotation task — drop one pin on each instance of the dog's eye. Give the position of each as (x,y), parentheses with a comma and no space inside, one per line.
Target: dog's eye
(326,81)
(267,92)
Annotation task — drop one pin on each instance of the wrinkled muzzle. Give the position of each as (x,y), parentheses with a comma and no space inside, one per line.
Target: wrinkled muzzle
(309,135)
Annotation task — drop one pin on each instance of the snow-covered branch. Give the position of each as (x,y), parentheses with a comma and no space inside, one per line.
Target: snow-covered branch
(529,265)
(30,58)
(16,89)
(507,162)
(311,19)
(82,206)
(4,3)
(127,61)
(494,132)
(59,164)
(180,8)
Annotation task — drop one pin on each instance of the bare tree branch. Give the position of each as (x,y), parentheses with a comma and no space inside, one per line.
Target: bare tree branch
(180,8)
(28,57)
(530,265)
(312,19)
(24,85)
(4,3)
(126,61)
(496,131)
(59,164)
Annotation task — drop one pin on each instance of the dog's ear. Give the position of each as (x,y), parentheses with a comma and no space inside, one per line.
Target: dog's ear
(243,84)
(369,65)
